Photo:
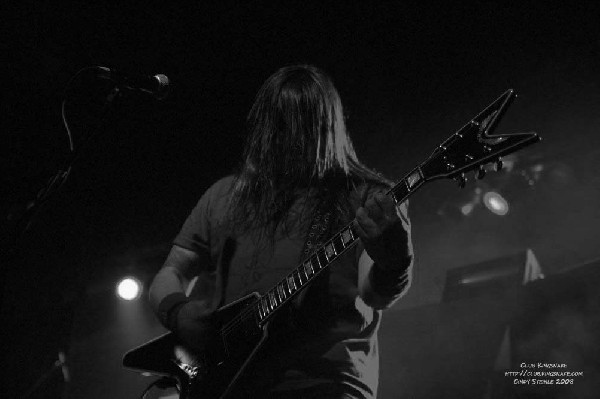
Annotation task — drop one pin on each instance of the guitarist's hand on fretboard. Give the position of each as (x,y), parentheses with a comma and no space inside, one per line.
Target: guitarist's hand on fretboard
(384,231)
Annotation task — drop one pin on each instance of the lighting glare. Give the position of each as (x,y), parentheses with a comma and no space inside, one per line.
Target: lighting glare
(129,289)
(495,203)
(467,209)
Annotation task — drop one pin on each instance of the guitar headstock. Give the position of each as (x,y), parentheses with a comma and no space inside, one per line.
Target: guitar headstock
(474,145)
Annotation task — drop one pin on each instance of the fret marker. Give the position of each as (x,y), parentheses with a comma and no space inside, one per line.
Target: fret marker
(308,268)
(346,236)
(281,292)
(330,251)
(413,178)
(291,283)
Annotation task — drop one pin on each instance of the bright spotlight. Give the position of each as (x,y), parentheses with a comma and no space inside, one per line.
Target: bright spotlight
(495,203)
(129,289)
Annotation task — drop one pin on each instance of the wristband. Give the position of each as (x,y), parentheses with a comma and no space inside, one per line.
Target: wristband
(388,282)
(169,307)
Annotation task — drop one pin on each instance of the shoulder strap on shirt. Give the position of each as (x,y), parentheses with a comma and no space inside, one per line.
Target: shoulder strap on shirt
(316,233)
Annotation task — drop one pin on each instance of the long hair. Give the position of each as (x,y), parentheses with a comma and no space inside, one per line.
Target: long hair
(297,141)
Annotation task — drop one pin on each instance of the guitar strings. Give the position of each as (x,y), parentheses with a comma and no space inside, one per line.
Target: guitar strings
(250,309)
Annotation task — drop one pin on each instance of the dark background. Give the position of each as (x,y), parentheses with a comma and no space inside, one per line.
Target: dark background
(409,76)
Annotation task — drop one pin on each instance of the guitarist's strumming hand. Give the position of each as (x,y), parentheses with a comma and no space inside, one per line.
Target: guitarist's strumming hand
(384,230)
(193,321)
(195,324)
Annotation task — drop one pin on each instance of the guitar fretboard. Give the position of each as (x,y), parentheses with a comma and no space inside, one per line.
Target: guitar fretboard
(305,273)
(343,240)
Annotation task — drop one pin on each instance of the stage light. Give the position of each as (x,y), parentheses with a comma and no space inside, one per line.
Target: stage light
(466,209)
(495,203)
(129,289)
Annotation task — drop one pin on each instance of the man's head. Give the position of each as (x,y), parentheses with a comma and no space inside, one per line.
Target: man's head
(297,139)
(297,128)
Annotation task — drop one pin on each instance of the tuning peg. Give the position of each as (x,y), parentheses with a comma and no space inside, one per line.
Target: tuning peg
(480,174)
(498,165)
(462,180)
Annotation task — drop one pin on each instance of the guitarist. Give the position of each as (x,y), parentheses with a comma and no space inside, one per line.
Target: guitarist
(299,181)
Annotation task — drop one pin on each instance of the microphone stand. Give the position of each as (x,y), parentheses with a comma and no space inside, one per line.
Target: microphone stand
(24,218)
(21,220)
(33,207)
(60,363)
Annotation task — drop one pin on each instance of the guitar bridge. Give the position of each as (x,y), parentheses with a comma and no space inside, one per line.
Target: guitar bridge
(190,371)
(183,359)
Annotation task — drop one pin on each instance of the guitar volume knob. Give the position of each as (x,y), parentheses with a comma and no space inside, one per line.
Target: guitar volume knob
(498,165)
(462,180)
(480,174)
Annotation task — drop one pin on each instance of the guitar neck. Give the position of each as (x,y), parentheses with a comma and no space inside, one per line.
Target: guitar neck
(346,238)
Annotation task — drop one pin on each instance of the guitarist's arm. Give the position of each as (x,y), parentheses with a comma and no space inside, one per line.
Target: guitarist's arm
(190,319)
(180,267)
(385,267)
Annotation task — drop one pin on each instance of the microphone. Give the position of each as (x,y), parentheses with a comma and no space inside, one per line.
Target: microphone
(157,85)
(62,363)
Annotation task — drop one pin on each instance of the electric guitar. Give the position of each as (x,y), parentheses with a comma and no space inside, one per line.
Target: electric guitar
(214,372)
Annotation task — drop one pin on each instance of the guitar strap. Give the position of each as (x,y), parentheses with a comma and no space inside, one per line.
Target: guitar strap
(319,231)
(319,228)
(320,225)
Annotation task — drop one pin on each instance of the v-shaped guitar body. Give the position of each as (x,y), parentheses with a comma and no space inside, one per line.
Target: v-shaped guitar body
(213,373)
